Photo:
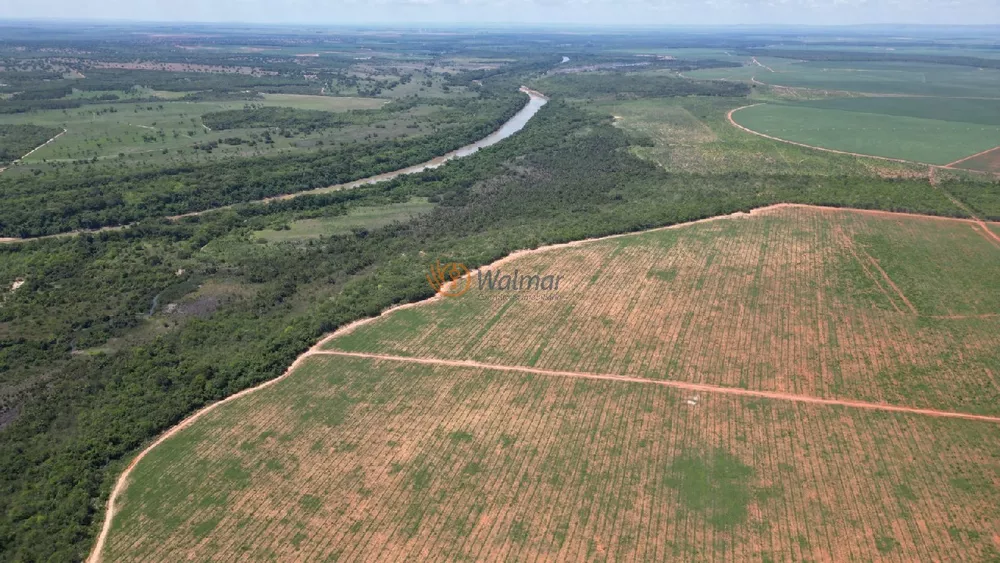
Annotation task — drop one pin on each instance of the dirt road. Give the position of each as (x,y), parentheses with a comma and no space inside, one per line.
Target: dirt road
(729,116)
(316,350)
(26,155)
(699,387)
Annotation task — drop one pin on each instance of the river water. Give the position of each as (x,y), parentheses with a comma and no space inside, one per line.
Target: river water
(513,125)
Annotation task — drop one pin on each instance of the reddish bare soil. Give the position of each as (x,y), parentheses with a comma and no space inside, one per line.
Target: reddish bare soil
(412,473)
(436,462)
(986,161)
(782,300)
(673,384)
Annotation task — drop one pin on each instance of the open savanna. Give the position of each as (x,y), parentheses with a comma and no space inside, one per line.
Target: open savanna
(826,303)
(694,135)
(161,131)
(934,131)
(358,218)
(356,459)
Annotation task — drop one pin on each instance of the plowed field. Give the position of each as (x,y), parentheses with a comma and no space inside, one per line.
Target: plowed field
(362,459)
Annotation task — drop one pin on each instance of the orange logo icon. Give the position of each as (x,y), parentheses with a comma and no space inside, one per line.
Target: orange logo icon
(451,280)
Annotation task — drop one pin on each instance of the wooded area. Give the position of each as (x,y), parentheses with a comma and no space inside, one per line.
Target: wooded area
(18,140)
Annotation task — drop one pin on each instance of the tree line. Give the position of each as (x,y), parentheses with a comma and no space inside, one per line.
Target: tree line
(18,140)
(34,206)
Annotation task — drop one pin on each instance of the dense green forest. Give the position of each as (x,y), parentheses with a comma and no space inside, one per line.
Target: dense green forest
(18,140)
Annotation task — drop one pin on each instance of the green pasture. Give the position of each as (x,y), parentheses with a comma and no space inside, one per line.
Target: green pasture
(845,125)
(978,112)
(970,49)
(167,131)
(357,218)
(873,77)
(693,135)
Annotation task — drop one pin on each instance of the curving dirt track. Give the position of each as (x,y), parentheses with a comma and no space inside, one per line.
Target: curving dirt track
(949,166)
(317,350)
(729,116)
(932,167)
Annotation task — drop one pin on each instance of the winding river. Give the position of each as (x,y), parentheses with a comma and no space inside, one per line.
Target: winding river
(513,125)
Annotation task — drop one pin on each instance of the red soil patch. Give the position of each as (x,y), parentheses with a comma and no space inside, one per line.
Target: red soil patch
(700,387)
(986,161)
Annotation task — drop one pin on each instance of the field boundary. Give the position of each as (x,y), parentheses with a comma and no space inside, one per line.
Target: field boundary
(949,166)
(870,94)
(27,154)
(317,349)
(986,232)
(120,484)
(729,117)
(961,160)
(683,385)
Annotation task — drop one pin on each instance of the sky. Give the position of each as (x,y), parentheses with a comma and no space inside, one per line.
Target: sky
(586,12)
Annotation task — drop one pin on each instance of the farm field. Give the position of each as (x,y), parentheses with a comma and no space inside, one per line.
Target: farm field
(819,302)
(959,49)
(914,79)
(972,112)
(817,379)
(693,135)
(859,125)
(359,459)
(986,162)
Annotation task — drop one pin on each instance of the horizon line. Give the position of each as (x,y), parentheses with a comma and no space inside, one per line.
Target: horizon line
(471,24)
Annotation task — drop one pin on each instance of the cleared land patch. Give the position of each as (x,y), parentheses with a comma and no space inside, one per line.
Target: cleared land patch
(355,459)
(986,162)
(359,218)
(160,131)
(325,103)
(693,135)
(858,130)
(800,300)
